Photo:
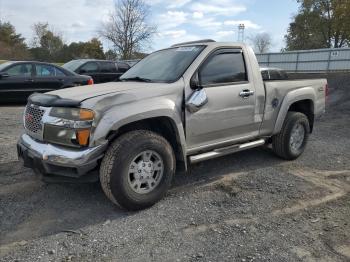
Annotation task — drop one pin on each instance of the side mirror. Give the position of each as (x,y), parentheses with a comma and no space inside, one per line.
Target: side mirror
(196,100)
(194,82)
(3,75)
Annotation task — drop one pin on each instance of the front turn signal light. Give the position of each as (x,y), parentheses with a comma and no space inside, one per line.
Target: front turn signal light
(85,114)
(83,137)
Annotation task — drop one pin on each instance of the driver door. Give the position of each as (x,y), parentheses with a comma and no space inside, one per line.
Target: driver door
(228,115)
(18,84)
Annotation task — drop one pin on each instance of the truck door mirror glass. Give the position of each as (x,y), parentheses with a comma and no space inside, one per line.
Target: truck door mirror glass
(197,100)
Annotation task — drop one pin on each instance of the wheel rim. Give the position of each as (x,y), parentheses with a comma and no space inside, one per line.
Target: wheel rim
(145,172)
(297,137)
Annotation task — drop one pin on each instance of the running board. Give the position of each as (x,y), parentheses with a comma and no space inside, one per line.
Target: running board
(225,151)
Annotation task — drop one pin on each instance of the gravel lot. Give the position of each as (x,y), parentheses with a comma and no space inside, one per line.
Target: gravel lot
(250,206)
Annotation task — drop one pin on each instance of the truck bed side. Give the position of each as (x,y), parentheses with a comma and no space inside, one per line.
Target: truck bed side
(281,95)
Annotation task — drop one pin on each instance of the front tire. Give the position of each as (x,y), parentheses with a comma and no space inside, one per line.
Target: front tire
(290,143)
(137,169)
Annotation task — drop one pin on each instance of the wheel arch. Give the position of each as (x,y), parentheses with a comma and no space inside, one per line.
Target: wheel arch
(162,125)
(300,100)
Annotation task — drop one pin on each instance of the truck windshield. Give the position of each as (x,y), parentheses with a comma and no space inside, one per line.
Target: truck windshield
(163,66)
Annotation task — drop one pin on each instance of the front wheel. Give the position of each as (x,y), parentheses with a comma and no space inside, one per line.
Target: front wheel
(137,169)
(290,143)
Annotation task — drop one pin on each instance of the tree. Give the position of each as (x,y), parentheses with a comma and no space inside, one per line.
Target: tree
(12,45)
(94,49)
(127,27)
(90,49)
(320,24)
(47,44)
(111,55)
(261,42)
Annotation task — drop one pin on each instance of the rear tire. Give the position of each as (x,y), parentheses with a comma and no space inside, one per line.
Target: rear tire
(137,169)
(290,143)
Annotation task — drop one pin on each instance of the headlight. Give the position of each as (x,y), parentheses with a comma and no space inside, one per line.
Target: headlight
(76,114)
(71,126)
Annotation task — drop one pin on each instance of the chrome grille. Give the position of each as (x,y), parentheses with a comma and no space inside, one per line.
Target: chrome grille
(32,119)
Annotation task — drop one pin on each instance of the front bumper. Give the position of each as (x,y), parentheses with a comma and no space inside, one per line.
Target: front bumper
(54,160)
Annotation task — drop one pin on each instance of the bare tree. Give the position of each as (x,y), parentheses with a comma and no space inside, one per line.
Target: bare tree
(262,42)
(127,27)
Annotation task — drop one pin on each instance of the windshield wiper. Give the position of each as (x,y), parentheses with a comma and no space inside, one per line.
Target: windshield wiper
(137,78)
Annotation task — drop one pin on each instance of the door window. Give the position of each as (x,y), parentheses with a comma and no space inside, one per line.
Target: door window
(223,68)
(59,72)
(24,70)
(123,67)
(45,70)
(90,67)
(108,67)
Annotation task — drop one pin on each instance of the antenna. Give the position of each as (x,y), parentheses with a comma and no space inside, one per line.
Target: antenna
(240,37)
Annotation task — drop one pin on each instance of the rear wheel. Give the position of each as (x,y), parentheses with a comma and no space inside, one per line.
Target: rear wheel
(137,169)
(290,143)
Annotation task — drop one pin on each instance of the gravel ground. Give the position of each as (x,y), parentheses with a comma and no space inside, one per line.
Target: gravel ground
(250,206)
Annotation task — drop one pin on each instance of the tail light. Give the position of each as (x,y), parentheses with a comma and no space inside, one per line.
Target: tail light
(327,91)
(90,81)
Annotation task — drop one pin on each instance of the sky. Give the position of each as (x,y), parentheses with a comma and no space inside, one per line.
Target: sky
(176,20)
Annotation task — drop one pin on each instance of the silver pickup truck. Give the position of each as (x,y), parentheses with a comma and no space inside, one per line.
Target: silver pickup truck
(188,103)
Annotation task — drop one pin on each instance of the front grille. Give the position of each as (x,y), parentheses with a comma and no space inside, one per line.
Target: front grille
(32,119)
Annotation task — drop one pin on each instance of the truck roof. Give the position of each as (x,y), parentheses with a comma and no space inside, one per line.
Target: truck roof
(210,42)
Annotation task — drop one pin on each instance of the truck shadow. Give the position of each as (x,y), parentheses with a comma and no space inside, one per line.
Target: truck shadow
(31,209)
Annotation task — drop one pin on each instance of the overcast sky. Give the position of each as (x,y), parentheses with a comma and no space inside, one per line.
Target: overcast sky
(177,20)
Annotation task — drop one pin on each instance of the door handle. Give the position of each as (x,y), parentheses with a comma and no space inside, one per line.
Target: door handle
(246,93)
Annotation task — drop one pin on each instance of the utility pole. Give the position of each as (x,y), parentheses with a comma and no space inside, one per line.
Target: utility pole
(240,37)
(0,11)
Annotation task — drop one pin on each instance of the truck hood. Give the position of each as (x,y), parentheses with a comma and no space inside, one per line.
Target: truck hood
(82,93)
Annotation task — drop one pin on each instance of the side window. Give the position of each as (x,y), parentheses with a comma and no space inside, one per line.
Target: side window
(123,67)
(89,67)
(108,67)
(20,70)
(44,70)
(223,68)
(59,72)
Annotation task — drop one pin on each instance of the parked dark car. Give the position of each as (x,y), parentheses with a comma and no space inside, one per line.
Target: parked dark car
(101,71)
(269,73)
(19,79)
(132,62)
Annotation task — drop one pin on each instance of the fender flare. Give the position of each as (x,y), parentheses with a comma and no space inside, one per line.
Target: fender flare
(305,93)
(105,127)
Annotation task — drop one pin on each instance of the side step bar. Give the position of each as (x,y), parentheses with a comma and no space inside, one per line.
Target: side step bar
(225,151)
